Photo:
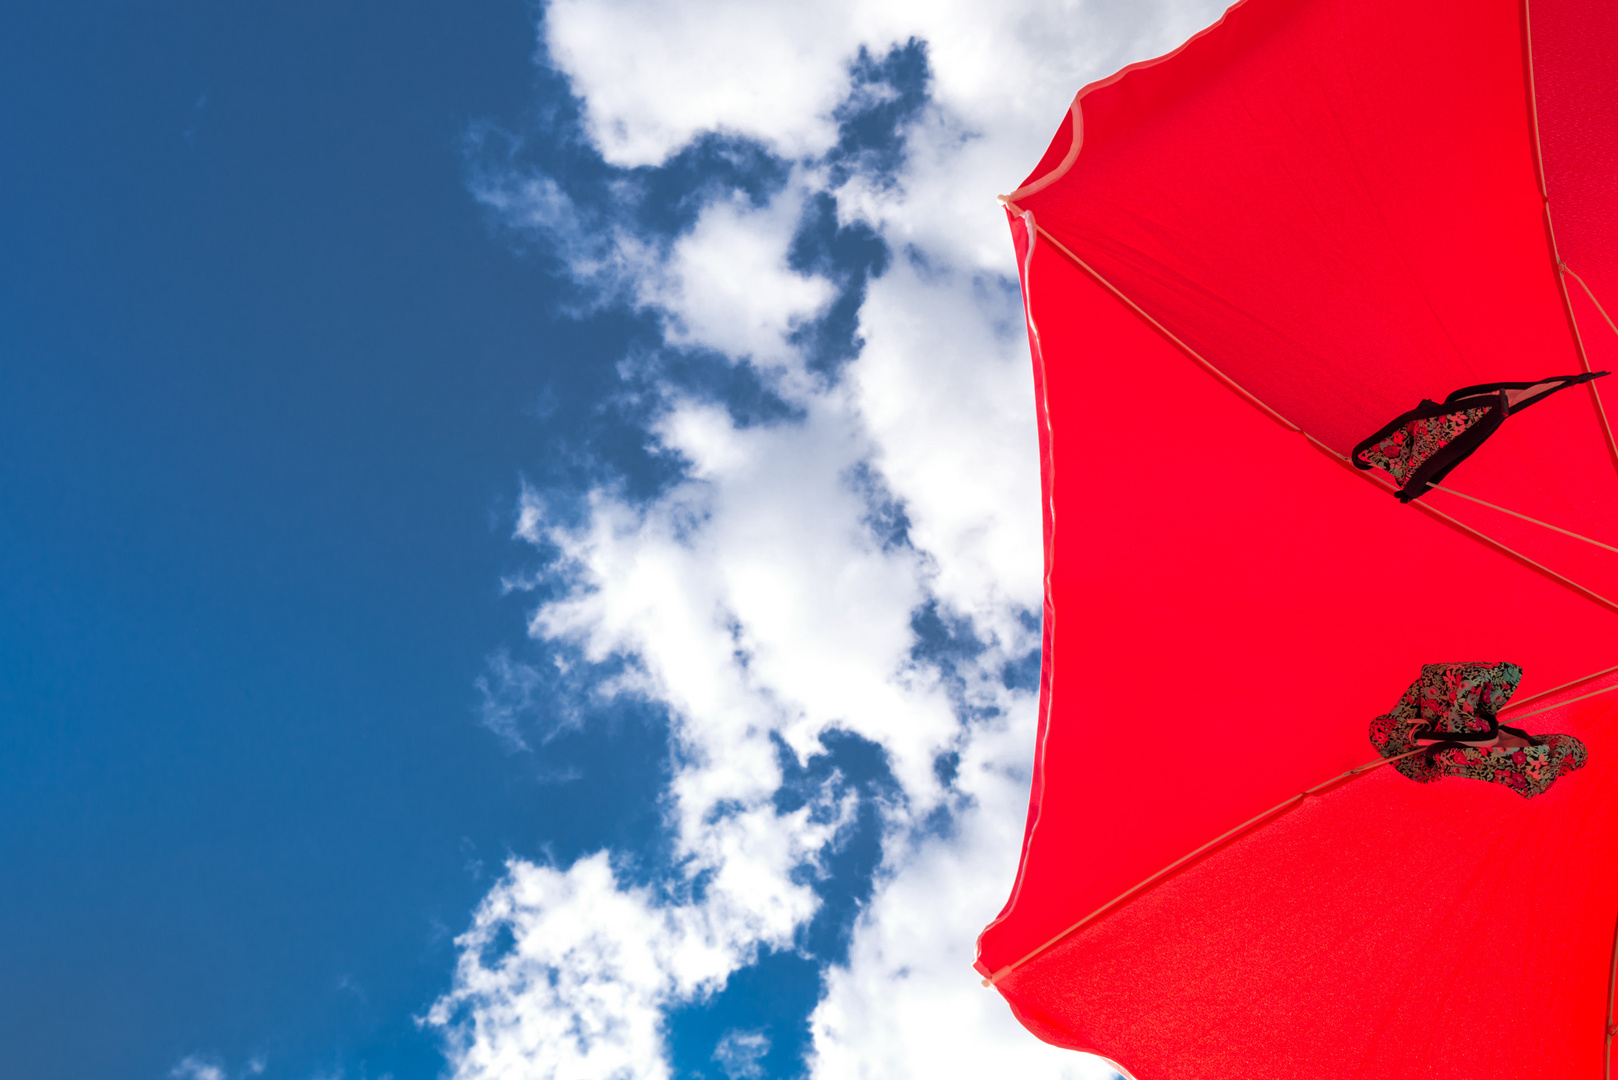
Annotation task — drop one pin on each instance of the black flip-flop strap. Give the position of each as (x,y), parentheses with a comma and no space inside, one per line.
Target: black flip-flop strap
(1453,740)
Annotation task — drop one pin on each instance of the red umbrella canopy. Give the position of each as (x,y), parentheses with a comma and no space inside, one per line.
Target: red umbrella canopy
(1239,261)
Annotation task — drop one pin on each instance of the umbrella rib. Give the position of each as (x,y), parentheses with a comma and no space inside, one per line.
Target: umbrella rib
(1241,390)
(1258,403)
(1439,515)
(1524,517)
(1185,860)
(1569,701)
(1568,270)
(1595,396)
(1515,705)
(1563,272)
(1467,530)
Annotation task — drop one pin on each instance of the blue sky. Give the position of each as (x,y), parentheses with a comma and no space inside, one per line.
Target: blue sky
(518,557)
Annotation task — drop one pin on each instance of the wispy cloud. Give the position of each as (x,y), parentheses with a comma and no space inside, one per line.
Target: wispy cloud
(863,558)
(196,1067)
(212,1067)
(739,1054)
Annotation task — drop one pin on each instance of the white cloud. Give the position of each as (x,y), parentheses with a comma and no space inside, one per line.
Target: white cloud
(726,284)
(944,391)
(655,75)
(754,599)
(511,692)
(212,1067)
(580,990)
(196,1067)
(739,1054)
(723,285)
(566,973)
(908,1004)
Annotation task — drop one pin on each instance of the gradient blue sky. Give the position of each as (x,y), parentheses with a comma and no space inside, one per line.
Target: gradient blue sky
(266,382)
(287,346)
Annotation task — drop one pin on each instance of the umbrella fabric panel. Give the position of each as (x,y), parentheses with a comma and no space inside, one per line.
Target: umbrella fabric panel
(1384,929)
(1575,53)
(1575,56)
(1227,609)
(1335,203)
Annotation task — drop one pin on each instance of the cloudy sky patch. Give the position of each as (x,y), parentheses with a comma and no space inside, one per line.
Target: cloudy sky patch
(779,589)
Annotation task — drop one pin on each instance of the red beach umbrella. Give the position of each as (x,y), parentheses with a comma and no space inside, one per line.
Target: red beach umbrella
(1240,263)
